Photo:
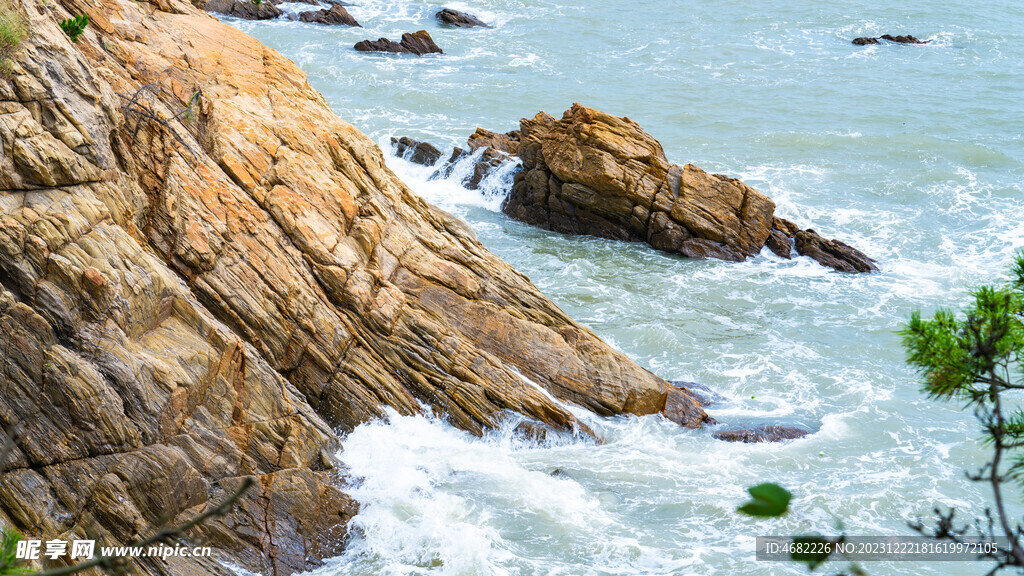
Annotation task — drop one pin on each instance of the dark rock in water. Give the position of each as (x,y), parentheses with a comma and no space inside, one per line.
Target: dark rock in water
(418,43)
(449,165)
(908,39)
(761,434)
(700,392)
(602,175)
(423,153)
(244,9)
(680,407)
(786,236)
(780,244)
(459,19)
(336,16)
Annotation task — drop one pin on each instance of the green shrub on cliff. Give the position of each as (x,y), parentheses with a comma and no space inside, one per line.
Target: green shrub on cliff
(75,26)
(13,29)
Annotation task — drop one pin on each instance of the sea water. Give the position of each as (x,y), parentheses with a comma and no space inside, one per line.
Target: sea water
(914,154)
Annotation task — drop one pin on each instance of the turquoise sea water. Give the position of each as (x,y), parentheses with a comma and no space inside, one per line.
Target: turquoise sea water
(914,154)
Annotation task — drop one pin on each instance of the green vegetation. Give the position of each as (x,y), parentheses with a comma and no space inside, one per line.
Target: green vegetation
(9,563)
(13,30)
(74,26)
(973,359)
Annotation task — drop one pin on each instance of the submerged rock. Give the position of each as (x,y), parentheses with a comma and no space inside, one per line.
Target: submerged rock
(337,15)
(418,43)
(597,174)
(459,19)
(908,39)
(245,9)
(768,433)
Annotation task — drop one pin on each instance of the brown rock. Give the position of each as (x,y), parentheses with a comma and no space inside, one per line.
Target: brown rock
(423,153)
(865,41)
(191,302)
(597,174)
(459,19)
(761,434)
(418,43)
(337,15)
(908,39)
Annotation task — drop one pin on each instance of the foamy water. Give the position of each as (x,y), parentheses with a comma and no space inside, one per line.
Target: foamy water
(914,154)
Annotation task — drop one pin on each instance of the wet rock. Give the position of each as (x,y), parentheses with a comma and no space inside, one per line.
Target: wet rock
(245,9)
(336,16)
(780,244)
(597,174)
(418,43)
(908,39)
(459,19)
(423,153)
(679,408)
(767,433)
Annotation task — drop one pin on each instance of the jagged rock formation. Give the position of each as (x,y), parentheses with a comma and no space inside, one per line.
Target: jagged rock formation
(766,433)
(337,15)
(598,174)
(459,19)
(418,43)
(203,272)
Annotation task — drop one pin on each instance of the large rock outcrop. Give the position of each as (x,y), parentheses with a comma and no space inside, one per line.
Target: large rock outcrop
(204,273)
(602,175)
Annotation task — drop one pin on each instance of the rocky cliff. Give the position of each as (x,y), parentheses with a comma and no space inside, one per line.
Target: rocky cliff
(205,274)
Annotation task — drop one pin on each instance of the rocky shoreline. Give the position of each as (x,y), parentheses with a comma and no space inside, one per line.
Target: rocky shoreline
(207,276)
(601,175)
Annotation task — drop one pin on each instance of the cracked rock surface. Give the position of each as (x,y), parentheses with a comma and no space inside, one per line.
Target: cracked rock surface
(205,275)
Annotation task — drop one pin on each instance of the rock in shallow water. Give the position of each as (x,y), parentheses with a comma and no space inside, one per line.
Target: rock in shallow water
(768,433)
(336,16)
(418,43)
(459,19)
(423,153)
(908,39)
(244,9)
(602,175)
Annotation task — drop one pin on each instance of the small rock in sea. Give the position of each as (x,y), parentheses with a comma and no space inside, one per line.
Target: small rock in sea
(243,9)
(417,43)
(337,15)
(423,153)
(761,434)
(908,39)
(459,19)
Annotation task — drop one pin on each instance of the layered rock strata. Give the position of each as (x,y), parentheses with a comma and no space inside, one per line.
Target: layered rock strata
(597,174)
(204,274)
(418,43)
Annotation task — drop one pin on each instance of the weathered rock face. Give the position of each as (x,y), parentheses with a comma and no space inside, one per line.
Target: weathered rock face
(598,174)
(336,16)
(192,299)
(418,43)
(423,153)
(459,19)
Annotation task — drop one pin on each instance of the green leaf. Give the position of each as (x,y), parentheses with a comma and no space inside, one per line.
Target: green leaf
(769,500)
(811,550)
